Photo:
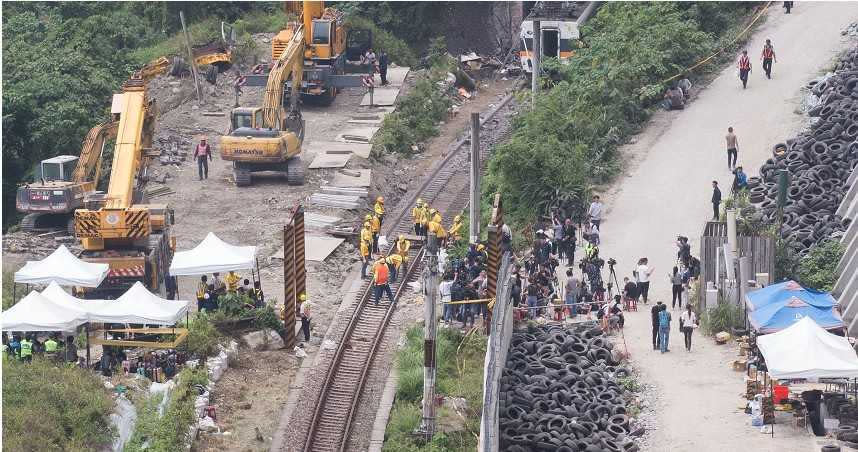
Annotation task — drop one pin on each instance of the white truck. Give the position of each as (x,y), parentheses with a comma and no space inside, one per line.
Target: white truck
(559,24)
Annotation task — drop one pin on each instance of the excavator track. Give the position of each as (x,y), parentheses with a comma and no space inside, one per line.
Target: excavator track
(295,173)
(242,176)
(28,223)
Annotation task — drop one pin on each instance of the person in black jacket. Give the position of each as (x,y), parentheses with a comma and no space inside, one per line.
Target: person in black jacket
(382,67)
(656,308)
(716,200)
(569,242)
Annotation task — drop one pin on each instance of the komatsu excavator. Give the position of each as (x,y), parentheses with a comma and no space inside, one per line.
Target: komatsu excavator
(269,138)
(117,227)
(62,183)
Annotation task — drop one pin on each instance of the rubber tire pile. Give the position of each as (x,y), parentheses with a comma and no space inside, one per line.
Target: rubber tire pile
(558,393)
(819,161)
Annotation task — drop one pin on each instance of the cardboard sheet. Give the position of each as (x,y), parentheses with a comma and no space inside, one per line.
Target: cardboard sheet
(342,180)
(324,160)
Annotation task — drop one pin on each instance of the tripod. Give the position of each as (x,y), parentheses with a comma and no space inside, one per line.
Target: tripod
(612,282)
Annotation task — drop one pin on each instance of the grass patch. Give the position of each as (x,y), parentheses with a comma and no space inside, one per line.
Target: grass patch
(8,284)
(818,270)
(50,408)
(201,32)
(169,432)
(723,317)
(459,374)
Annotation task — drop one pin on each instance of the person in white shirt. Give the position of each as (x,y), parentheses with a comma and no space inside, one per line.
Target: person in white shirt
(595,211)
(642,273)
(687,324)
(445,290)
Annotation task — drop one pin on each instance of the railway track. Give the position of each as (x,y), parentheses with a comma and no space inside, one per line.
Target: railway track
(446,189)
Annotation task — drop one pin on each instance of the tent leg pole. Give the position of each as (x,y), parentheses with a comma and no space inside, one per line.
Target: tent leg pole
(87,345)
(14,286)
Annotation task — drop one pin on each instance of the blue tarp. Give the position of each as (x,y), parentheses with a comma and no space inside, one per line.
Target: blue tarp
(782,292)
(782,314)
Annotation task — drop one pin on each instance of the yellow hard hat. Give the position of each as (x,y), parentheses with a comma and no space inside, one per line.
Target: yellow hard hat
(366,225)
(433,211)
(368,217)
(380,199)
(302,297)
(401,236)
(481,247)
(457,218)
(419,202)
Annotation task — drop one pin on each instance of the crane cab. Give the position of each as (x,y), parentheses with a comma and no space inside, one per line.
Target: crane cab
(245,117)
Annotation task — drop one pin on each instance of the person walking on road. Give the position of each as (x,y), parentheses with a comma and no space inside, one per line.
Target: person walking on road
(787,7)
(663,328)
(203,154)
(767,56)
(380,280)
(744,65)
(716,200)
(676,287)
(643,273)
(240,81)
(656,308)
(382,67)
(687,324)
(732,148)
(572,288)
(595,211)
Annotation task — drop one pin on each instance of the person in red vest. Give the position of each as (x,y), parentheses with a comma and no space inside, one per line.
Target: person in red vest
(203,154)
(767,56)
(744,68)
(381,279)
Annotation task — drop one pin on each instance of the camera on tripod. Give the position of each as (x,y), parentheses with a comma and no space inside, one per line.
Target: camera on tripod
(612,262)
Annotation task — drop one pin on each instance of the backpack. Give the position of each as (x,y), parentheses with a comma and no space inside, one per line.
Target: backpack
(663,318)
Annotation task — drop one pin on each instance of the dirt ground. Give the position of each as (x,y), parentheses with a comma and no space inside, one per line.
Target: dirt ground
(666,192)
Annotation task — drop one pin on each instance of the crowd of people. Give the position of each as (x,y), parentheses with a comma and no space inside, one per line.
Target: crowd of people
(209,291)
(24,347)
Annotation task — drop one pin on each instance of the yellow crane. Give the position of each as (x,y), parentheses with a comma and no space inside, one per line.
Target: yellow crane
(117,228)
(268,138)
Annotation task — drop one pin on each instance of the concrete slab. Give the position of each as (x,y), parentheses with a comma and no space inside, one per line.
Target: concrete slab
(325,160)
(383,96)
(396,75)
(338,147)
(344,180)
(357,135)
(316,248)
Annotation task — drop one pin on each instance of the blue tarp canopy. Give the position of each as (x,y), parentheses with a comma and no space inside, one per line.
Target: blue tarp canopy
(783,292)
(782,314)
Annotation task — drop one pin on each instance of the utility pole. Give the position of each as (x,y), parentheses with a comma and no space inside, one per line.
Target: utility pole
(474,217)
(430,298)
(192,62)
(537,49)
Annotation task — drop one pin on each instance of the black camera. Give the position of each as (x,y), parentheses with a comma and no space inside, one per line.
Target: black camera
(612,261)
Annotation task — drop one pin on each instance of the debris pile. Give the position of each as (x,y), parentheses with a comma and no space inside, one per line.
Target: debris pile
(559,392)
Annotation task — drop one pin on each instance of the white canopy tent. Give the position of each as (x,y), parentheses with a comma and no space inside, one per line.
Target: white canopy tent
(64,268)
(59,296)
(138,305)
(213,255)
(805,350)
(36,312)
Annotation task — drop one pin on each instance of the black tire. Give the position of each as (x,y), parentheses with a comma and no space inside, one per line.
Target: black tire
(210,74)
(28,223)
(178,67)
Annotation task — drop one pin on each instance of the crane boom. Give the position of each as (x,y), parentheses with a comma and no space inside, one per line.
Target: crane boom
(289,63)
(130,105)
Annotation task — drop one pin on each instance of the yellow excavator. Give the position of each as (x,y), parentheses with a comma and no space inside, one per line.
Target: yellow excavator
(62,183)
(268,138)
(117,227)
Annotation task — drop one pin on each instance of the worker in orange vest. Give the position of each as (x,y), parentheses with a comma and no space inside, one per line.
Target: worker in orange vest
(744,65)
(381,280)
(767,56)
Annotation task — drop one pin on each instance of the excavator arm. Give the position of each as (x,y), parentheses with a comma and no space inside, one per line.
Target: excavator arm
(289,63)
(91,151)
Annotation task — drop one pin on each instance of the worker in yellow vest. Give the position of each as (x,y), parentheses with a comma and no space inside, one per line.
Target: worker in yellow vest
(417,215)
(402,247)
(455,231)
(231,280)
(379,209)
(27,350)
(393,261)
(435,216)
(424,219)
(364,257)
(437,228)
(375,224)
(51,347)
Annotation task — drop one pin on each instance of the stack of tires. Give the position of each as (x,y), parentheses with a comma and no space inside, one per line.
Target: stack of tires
(819,162)
(559,393)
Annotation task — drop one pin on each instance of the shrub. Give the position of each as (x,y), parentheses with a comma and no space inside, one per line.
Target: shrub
(50,408)
(818,269)
(723,317)
(203,338)
(397,50)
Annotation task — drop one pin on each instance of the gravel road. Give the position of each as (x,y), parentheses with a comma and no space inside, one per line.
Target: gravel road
(666,192)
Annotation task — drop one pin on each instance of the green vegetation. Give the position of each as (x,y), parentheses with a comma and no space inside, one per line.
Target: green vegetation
(459,374)
(8,284)
(418,113)
(723,317)
(203,338)
(396,48)
(169,432)
(51,408)
(818,270)
(605,93)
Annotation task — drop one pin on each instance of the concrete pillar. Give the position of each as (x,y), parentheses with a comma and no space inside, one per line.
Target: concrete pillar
(475,179)
(536,58)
